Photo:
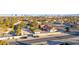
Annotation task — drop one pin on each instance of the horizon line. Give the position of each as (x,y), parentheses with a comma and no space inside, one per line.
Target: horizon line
(39,14)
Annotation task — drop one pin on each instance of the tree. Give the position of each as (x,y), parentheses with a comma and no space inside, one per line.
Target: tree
(22,24)
(67,29)
(18,31)
(4,42)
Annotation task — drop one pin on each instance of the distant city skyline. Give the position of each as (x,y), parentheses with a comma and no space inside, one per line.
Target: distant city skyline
(39,14)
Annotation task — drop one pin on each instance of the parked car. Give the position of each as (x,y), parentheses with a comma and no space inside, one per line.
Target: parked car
(30,35)
(23,37)
(35,36)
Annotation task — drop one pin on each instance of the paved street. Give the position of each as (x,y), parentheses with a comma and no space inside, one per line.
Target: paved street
(70,38)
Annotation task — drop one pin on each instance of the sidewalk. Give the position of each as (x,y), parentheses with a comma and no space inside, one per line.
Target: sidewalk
(45,35)
(41,35)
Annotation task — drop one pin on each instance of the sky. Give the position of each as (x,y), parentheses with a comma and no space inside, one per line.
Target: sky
(39,7)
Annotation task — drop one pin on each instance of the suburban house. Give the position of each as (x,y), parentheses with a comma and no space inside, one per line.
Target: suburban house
(53,29)
(48,28)
(58,25)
